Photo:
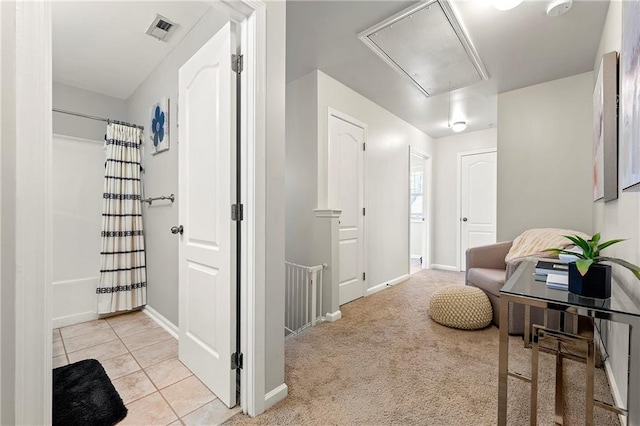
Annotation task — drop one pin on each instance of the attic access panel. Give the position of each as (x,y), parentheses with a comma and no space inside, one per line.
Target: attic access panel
(426,44)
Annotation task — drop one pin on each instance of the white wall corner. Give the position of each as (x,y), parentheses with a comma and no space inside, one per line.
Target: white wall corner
(162,321)
(333,316)
(275,396)
(327,212)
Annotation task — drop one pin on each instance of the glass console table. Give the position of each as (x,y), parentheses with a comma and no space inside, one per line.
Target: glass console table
(524,289)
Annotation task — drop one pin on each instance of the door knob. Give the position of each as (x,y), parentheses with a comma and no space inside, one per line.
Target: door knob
(464,219)
(177,229)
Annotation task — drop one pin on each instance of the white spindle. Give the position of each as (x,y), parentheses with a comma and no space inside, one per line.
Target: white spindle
(303,296)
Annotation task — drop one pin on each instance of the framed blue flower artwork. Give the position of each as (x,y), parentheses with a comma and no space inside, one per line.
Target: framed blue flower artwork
(159,128)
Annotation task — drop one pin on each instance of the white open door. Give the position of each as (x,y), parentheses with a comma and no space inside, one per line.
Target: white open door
(478,201)
(346,192)
(207,271)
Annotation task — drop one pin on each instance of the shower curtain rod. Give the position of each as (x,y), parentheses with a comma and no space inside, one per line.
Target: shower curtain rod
(92,117)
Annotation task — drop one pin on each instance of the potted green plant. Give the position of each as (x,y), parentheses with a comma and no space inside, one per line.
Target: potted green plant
(588,276)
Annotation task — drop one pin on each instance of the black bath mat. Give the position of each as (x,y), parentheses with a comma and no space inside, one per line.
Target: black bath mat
(84,395)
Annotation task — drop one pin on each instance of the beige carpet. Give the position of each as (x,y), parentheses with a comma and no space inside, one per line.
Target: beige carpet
(386,362)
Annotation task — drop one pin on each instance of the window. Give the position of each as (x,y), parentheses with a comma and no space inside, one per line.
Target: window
(417,193)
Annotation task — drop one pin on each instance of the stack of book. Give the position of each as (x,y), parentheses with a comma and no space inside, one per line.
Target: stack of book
(558,281)
(554,273)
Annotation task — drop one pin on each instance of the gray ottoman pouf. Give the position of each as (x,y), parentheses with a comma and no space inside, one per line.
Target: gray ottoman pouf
(463,307)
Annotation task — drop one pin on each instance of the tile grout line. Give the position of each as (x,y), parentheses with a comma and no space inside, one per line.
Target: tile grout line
(149,378)
(64,347)
(193,411)
(163,398)
(134,360)
(92,346)
(190,412)
(83,334)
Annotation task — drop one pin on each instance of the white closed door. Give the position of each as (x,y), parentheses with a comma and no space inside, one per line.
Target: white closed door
(346,192)
(417,207)
(207,272)
(478,202)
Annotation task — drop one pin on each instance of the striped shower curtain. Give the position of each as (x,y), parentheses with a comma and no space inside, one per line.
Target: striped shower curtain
(123,277)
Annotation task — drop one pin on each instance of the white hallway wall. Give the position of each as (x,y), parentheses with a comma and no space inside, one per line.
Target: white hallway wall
(445,177)
(387,176)
(544,157)
(386,185)
(274,193)
(618,219)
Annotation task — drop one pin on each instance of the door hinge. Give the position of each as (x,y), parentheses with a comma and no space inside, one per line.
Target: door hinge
(364,211)
(364,276)
(237,212)
(236,360)
(237,63)
(364,146)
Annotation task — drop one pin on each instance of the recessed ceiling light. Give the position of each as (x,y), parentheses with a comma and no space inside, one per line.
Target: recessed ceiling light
(506,4)
(459,126)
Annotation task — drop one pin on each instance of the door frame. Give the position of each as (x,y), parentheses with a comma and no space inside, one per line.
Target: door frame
(459,199)
(427,229)
(330,196)
(29,111)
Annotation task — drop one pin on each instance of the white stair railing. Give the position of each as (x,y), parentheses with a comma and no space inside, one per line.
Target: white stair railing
(303,303)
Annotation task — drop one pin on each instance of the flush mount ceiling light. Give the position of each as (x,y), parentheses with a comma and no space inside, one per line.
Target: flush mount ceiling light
(458,126)
(427,45)
(506,4)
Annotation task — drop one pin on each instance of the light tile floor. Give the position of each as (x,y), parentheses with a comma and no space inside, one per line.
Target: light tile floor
(141,359)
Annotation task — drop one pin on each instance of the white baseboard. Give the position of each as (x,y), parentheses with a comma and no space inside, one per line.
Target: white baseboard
(276,395)
(333,316)
(163,322)
(400,279)
(615,391)
(382,286)
(444,267)
(74,319)
(376,289)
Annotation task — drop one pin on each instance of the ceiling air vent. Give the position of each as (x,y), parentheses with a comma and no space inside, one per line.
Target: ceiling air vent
(427,45)
(161,28)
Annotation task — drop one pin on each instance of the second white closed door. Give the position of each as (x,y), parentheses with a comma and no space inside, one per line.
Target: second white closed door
(346,192)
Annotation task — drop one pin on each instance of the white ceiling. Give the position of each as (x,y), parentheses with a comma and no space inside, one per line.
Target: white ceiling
(519,48)
(102,46)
